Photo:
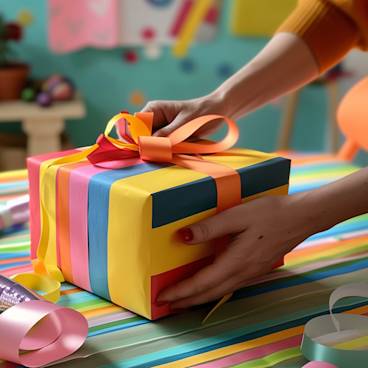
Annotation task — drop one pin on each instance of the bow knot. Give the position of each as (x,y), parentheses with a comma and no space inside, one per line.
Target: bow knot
(156,149)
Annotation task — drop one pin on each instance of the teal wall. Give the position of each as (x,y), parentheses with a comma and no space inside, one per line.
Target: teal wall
(106,81)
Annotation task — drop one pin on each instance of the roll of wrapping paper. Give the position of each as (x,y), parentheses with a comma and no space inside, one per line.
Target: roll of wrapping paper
(14,212)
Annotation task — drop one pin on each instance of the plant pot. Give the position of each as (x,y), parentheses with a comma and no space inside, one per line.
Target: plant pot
(13,78)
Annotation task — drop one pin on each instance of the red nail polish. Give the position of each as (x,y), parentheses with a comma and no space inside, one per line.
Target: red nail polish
(186,235)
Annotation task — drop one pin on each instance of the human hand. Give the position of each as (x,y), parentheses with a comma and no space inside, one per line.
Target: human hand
(262,231)
(169,115)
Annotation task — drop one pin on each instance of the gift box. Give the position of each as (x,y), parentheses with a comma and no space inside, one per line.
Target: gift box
(112,231)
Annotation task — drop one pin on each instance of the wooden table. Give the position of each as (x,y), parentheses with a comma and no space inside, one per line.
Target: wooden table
(43,126)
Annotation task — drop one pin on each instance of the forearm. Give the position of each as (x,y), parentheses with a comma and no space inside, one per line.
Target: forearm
(285,64)
(336,202)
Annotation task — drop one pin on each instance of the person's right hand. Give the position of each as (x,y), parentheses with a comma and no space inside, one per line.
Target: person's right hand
(169,115)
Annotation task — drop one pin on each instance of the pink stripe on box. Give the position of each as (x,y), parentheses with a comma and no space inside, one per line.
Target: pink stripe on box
(252,354)
(78,217)
(78,211)
(33,165)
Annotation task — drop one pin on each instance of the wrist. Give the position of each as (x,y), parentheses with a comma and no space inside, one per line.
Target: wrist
(219,102)
(319,211)
(307,212)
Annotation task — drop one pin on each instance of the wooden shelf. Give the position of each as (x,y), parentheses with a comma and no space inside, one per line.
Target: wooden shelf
(42,125)
(19,110)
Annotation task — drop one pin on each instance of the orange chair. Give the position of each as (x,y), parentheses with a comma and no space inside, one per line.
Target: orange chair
(352,117)
(312,170)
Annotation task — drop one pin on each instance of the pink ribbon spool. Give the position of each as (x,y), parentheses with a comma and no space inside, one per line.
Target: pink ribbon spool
(37,333)
(319,364)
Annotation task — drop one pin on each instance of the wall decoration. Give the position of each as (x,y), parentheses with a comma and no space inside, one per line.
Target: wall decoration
(130,56)
(259,17)
(188,31)
(25,18)
(137,98)
(77,24)
(187,65)
(147,23)
(225,70)
(160,2)
(152,51)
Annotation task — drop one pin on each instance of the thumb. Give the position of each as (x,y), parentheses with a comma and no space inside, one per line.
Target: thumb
(160,111)
(231,221)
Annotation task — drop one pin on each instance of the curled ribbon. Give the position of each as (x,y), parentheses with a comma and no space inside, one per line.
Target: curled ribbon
(171,149)
(34,332)
(339,339)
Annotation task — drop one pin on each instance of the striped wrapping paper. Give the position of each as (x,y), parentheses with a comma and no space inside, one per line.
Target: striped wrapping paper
(261,326)
(105,225)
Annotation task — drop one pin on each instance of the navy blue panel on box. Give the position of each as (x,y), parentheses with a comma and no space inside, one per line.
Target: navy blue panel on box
(188,199)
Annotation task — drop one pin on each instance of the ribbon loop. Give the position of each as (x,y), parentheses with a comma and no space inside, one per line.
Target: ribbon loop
(41,333)
(157,149)
(185,131)
(340,339)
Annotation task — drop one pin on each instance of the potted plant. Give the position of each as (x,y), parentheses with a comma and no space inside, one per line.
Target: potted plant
(13,75)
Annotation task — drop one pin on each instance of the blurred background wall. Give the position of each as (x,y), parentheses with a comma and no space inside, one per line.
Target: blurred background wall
(107,82)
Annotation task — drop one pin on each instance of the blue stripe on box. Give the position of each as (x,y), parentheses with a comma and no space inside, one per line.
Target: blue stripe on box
(98,219)
(185,200)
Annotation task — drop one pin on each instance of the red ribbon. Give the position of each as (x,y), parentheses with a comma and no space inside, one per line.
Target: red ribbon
(172,149)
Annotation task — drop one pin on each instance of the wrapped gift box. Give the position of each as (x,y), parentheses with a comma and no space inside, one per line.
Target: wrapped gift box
(113,231)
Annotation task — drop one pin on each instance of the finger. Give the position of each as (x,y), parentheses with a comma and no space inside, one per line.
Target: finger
(209,295)
(159,109)
(247,274)
(231,221)
(151,106)
(205,279)
(225,266)
(176,123)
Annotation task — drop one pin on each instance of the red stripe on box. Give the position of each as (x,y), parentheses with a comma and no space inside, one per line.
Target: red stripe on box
(164,280)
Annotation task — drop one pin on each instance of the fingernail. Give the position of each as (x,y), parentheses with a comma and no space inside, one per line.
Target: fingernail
(185,234)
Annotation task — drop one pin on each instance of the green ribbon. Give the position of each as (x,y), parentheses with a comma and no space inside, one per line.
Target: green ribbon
(323,334)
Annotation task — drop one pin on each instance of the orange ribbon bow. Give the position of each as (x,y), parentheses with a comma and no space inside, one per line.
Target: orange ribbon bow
(171,149)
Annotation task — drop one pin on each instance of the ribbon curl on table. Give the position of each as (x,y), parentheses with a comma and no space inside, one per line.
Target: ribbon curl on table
(174,148)
(339,339)
(33,332)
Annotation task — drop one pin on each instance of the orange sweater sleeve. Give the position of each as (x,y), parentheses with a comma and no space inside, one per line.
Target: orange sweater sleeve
(329,27)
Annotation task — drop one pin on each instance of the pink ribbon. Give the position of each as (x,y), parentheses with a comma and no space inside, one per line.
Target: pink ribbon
(37,333)
(319,364)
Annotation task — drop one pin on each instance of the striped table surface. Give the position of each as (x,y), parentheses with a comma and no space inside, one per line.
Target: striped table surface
(261,326)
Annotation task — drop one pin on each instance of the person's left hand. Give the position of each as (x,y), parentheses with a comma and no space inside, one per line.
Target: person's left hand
(262,231)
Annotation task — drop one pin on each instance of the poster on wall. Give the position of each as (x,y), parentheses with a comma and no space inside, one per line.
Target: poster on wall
(112,23)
